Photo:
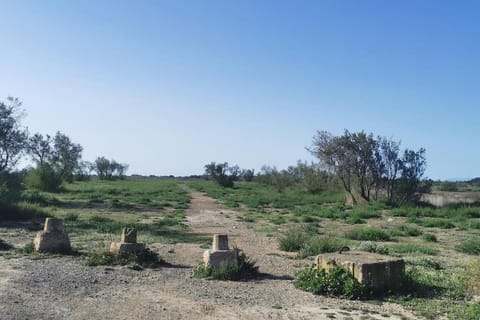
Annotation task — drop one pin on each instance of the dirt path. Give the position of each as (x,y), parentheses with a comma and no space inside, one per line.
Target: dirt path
(63,288)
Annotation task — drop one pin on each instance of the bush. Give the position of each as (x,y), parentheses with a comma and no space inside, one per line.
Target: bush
(147,259)
(429,237)
(296,237)
(337,282)
(44,178)
(11,186)
(472,279)
(322,244)
(246,269)
(470,246)
(368,234)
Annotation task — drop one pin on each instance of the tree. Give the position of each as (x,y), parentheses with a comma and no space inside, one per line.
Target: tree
(109,169)
(222,173)
(66,156)
(248,175)
(13,137)
(367,166)
(40,148)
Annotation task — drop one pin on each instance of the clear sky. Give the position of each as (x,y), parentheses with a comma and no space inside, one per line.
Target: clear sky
(168,86)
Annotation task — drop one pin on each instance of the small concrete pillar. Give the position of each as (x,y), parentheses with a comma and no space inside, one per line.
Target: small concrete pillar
(128,244)
(129,235)
(220,242)
(53,238)
(220,255)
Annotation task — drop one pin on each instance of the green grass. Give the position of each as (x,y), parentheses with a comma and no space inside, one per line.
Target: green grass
(146,259)
(399,249)
(428,237)
(322,244)
(368,234)
(470,246)
(296,237)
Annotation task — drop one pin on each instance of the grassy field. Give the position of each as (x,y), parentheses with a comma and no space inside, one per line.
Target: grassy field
(439,245)
(95,212)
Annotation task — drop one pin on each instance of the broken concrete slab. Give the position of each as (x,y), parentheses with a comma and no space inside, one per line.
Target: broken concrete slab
(378,272)
(220,255)
(128,244)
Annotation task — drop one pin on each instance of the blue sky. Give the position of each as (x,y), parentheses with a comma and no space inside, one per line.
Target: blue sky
(168,86)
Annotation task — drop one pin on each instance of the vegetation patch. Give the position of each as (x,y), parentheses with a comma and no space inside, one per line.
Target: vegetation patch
(470,246)
(297,237)
(146,259)
(368,234)
(336,282)
(321,244)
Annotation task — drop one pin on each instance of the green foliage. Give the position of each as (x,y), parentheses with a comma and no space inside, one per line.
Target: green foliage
(400,248)
(429,237)
(406,230)
(145,259)
(297,237)
(11,186)
(27,249)
(470,246)
(44,178)
(337,282)
(109,169)
(465,311)
(13,137)
(222,173)
(321,244)
(448,186)
(368,234)
(246,269)
(22,211)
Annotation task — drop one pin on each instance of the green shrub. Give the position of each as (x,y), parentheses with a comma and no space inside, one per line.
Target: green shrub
(368,234)
(465,311)
(27,249)
(44,178)
(472,279)
(146,259)
(400,248)
(429,237)
(71,216)
(406,230)
(11,186)
(470,246)
(246,269)
(321,244)
(21,211)
(296,237)
(337,282)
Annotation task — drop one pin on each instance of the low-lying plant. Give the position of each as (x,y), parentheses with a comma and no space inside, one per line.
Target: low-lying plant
(368,234)
(146,259)
(470,246)
(336,282)
(296,237)
(321,244)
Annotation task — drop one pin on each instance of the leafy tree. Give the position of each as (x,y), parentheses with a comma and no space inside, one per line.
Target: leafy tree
(13,137)
(66,156)
(40,148)
(109,169)
(45,178)
(222,173)
(368,166)
(248,175)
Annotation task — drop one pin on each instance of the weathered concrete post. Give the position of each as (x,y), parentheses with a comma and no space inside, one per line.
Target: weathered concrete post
(53,238)
(128,244)
(220,255)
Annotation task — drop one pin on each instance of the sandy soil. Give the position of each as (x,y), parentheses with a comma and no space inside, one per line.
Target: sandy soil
(64,288)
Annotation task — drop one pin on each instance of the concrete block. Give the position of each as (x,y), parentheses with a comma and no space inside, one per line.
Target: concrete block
(53,239)
(129,235)
(127,249)
(220,242)
(378,272)
(218,258)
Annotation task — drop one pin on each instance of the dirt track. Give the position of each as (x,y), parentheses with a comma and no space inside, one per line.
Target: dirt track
(64,288)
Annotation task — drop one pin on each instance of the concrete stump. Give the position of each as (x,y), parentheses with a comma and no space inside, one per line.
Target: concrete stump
(53,238)
(220,255)
(378,272)
(128,244)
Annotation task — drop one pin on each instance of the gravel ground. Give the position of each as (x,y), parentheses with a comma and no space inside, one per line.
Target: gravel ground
(64,288)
